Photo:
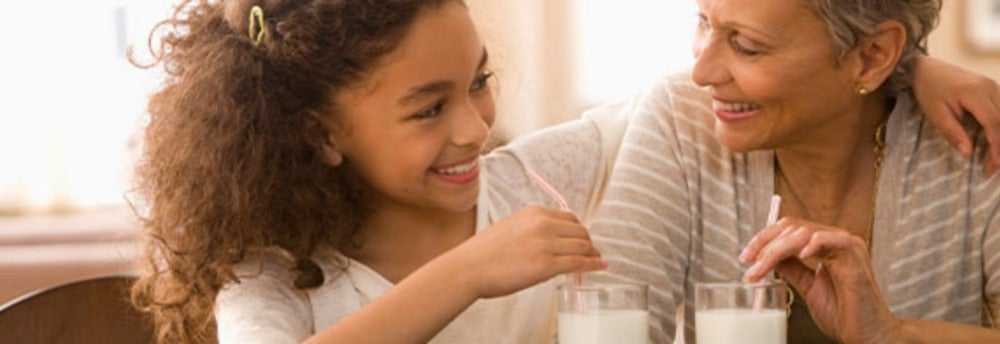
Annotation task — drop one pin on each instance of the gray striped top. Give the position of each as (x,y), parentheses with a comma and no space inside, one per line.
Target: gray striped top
(680,206)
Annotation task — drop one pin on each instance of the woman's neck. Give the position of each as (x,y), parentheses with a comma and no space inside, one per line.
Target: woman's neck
(395,240)
(819,178)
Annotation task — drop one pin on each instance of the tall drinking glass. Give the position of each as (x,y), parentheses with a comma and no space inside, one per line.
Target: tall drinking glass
(603,313)
(736,312)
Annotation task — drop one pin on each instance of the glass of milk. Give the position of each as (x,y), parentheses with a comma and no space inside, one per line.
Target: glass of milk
(736,312)
(603,313)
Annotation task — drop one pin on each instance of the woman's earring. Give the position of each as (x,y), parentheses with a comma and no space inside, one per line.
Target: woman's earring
(862,91)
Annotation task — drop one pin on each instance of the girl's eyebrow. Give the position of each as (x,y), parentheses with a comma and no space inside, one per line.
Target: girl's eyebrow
(435,87)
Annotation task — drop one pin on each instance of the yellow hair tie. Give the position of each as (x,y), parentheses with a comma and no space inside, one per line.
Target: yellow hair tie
(257,26)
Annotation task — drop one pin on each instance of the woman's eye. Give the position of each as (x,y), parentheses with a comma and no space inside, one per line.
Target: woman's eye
(744,46)
(480,82)
(702,22)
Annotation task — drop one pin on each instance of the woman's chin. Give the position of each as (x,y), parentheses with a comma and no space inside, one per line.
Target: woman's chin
(735,141)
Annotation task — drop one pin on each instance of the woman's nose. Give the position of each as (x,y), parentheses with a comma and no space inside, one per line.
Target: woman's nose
(710,68)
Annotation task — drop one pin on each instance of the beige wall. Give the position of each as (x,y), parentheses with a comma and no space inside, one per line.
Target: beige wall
(947,43)
(531,50)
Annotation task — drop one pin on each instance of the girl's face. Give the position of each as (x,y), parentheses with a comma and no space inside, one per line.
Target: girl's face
(770,67)
(413,131)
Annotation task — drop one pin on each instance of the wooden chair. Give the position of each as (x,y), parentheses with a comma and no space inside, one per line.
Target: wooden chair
(90,311)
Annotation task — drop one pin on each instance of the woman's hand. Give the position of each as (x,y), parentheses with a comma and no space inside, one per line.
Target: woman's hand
(946,93)
(531,246)
(831,270)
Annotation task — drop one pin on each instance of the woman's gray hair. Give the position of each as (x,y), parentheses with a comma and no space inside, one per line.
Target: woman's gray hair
(850,21)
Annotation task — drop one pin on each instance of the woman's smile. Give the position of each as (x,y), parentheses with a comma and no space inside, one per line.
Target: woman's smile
(732,111)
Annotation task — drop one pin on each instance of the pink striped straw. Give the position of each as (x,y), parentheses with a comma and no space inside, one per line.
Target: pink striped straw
(564,206)
(772,217)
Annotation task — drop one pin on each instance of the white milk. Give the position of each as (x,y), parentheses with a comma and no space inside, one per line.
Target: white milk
(723,326)
(604,326)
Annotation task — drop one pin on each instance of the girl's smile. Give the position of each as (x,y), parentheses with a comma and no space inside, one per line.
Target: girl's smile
(461,173)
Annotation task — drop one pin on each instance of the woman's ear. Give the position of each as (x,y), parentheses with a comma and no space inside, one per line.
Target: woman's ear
(880,54)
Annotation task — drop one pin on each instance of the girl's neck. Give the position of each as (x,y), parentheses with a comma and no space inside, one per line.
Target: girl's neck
(396,240)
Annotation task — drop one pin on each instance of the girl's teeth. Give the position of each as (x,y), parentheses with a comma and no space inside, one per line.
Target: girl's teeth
(464,168)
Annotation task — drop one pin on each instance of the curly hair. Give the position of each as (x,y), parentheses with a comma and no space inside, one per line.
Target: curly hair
(232,157)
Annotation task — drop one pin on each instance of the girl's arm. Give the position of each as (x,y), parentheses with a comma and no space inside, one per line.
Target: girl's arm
(946,93)
(531,246)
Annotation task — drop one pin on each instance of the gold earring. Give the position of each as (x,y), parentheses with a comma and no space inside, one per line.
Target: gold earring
(862,91)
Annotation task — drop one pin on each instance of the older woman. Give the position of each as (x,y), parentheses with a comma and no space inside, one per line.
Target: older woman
(882,224)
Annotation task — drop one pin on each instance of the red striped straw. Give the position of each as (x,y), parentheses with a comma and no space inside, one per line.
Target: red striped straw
(564,206)
(772,217)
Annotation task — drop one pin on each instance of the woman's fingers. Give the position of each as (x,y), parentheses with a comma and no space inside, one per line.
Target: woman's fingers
(750,252)
(833,245)
(786,245)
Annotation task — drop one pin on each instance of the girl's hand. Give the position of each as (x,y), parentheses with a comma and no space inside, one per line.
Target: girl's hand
(529,247)
(946,93)
(830,268)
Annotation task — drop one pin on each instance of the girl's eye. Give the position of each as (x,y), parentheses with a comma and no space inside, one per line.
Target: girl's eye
(430,112)
(480,82)
(744,46)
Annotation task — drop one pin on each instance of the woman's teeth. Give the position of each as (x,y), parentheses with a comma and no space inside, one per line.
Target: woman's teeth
(737,107)
(458,169)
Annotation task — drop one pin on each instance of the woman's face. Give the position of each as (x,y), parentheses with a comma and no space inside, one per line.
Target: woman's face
(414,130)
(772,71)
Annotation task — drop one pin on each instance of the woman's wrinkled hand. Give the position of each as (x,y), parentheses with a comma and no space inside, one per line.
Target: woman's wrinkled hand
(831,269)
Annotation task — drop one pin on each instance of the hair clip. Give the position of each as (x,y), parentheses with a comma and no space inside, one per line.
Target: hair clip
(258,28)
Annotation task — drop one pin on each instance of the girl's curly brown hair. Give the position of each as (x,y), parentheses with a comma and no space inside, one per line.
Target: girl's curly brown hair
(232,158)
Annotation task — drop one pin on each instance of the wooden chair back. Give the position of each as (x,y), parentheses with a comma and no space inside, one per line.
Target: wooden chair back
(90,311)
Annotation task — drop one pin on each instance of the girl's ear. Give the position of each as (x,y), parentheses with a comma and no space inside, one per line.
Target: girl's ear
(317,131)
(331,154)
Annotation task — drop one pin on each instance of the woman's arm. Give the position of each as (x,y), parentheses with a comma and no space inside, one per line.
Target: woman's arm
(946,93)
(931,331)
(529,247)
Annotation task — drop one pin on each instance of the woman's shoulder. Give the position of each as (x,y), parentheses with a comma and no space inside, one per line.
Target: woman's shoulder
(568,156)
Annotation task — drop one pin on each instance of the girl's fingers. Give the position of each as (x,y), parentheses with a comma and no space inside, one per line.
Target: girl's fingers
(986,110)
(565,264)
(573,246)
(947,122)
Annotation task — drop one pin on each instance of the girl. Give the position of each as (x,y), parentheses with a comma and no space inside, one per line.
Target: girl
(305,157)
(313,171)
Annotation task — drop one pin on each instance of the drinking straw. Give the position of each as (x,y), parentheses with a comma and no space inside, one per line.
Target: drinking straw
(772,217)
(564,206)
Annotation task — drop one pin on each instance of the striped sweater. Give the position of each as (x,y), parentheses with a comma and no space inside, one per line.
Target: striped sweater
(680,206)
